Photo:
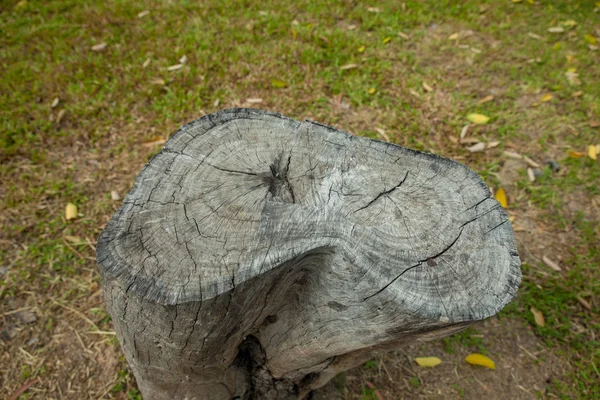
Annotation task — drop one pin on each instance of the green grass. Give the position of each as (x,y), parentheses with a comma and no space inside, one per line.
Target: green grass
(112,101)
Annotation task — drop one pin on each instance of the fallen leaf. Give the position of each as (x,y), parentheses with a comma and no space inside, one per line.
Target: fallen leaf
(427,87)
(373,10)
(538,317)
(594,124)
(477,147)
(463,131)
(486,99)
(530,174)
(183,59)
(154,142)
(143,14)
(371,90)
(157,81)
(114,195)
(175,67)
(454,36)
(531,162)
(481,360)
(576,154)
(500,195)
(414,92)
(478,119)
(556,29)
(294,33)
(348,66)
(60,116)
(572,77)
(584,303)
(70,211)
(403,35)
(99,46)
(278,84)
(590,39)
(512,154)
(386,40)
(254,100)
(593,152)
(146,63)
(383,134)
(74,239)
(577,93)
(546,97)
(517,1)
(20,4)
(569,22)
(551,264)
(428,361)
(54,102)
(361,49)
(535,36)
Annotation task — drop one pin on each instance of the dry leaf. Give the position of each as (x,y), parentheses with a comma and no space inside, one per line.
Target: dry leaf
(493,144)
(74,239)
(577,93)
(60,116)
(157,81)
(479,119)
(463,131)
(348,66)
(146,63)
(254,100)
(590,39)
(143,14)
(551,264)
(371,90)
(500,195)
(594,124)
(546,97)
(584,303)
(70,211)
(55,102)
(477,147)
(576,154)
(454,36)
(531,162)
(427,87)
(535,36)
(183,59)
(512,154)
(373,10)
(175,67)
(154,142)
(486,99)
(386,40)
(99,46)
(556,29)
(114,195)
(538,317)
(278,84)
(414,92)
(383,134)
(530,174)
(572,77)
(481,360)
(403,35)
(593,151)
(428,361)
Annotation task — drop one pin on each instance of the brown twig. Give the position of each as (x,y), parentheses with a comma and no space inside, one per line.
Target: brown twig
(23,388)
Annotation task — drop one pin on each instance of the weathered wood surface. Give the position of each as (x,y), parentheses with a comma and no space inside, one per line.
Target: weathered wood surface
(257,256)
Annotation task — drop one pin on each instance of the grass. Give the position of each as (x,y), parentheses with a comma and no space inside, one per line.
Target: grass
(295,57)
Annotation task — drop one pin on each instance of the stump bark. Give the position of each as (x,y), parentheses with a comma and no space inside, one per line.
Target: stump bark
(256,257)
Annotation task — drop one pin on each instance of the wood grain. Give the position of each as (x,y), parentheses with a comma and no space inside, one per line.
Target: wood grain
(258,256)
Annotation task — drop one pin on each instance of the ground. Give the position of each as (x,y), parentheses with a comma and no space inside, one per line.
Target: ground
(89,90)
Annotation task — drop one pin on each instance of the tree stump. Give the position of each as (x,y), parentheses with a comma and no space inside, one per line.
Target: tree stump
(257,257)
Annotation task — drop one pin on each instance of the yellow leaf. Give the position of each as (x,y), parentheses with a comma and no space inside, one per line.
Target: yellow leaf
(371,91)
(576,154)
(538,317)
(428,361)
(590,39)
(294,33)
(361,49)
(517,1)
(454,36)
(480,359)
(593,152)
(501,197)
(546,97)
(21,4)
(479,119)
(279,84)
(557,46)
(569,22)
(387,40)
(571,70)
(70,211)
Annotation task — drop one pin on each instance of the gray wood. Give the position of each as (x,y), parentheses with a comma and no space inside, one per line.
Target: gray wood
(256,256)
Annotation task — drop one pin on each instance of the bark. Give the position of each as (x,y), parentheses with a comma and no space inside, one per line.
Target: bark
(256,257)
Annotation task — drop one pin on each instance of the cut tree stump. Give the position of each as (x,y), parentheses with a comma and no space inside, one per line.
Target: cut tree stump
(257,257)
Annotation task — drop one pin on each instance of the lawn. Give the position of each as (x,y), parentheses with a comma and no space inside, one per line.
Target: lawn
(89,90)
